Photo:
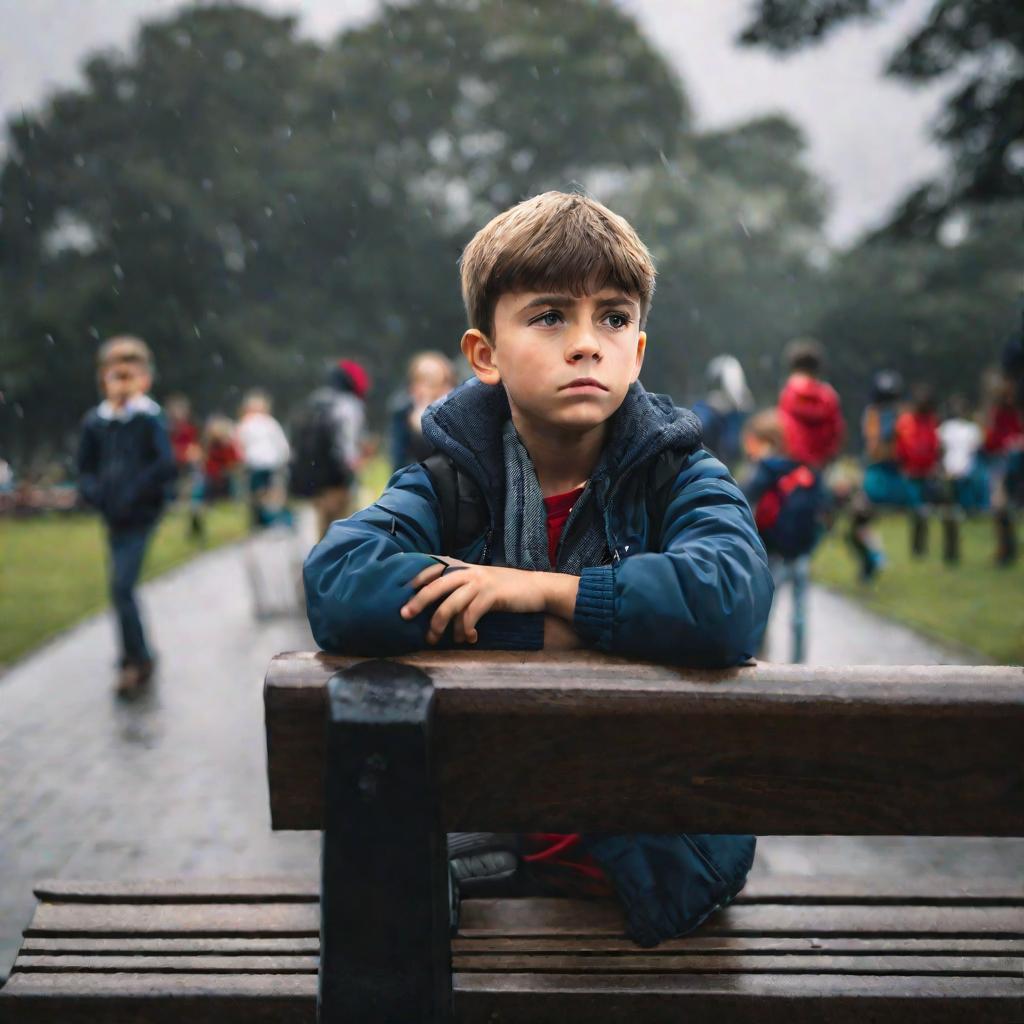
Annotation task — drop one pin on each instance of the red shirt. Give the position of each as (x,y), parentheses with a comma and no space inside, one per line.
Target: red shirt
(554,856)
(558,507)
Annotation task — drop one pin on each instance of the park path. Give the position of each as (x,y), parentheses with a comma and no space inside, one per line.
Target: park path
(173,784)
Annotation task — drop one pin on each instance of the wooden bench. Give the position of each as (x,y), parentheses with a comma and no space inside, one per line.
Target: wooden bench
(415,747)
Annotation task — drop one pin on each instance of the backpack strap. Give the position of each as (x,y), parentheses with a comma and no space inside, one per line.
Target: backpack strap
(464,514)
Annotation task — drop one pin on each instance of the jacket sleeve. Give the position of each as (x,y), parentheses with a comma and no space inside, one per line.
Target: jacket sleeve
(87,465)
(357,578)
(703,599)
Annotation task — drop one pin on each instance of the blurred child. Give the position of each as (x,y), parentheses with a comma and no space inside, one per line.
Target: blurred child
(1003,447)
(789,503)
(220,460)
(917,453)
(725,409)
(125,466)
(431,376)
(812,422)
(184,434)
(960,438)
(265,453)
(330,446)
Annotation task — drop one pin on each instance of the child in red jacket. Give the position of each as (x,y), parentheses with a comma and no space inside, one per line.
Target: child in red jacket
(917,451)
(812,421)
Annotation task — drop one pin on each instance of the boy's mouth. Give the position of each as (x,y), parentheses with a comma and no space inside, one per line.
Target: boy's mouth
(583,384)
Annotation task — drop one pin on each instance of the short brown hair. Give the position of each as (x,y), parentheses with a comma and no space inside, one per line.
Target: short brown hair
(124,348)
(805,355)
(766,426)
(554,240)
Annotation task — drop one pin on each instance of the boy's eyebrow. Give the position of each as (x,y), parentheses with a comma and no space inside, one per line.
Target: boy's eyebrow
(571,300)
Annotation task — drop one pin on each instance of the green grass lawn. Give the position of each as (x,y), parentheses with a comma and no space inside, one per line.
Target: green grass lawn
(974,604)
(53,568)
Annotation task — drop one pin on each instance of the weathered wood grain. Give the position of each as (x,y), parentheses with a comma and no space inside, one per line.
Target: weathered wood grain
(767,749)
(532,998)
(538,917)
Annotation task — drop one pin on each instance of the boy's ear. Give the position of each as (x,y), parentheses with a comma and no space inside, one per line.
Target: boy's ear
(479,354)
(641,349)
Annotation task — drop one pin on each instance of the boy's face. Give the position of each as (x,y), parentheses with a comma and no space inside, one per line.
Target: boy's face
(565,361)
(123,381)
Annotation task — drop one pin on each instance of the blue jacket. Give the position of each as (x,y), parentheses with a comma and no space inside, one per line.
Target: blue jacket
(125,463)
(693,589)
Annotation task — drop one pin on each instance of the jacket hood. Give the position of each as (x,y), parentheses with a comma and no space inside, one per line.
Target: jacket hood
(467,426)
(808,400)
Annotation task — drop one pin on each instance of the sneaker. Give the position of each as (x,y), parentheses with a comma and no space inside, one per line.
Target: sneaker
(133,677)
(129,680)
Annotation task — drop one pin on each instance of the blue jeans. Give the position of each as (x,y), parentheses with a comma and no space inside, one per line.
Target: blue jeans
(798,572)
(127,550)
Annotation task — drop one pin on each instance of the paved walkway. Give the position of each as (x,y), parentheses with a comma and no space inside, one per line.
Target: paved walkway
(173,784)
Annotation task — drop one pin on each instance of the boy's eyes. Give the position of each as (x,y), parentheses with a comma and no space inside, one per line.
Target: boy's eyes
(552,318)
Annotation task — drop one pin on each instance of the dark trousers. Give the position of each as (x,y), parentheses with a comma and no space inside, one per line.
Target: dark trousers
(127,550)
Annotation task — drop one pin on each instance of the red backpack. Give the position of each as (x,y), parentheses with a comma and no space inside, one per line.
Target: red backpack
(917,443)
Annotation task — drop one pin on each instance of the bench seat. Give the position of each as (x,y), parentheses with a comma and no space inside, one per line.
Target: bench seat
(793,949)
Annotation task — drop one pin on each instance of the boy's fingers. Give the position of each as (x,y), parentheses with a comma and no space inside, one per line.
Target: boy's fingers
(432,592)
(430,573)
(475,611)
(448,608)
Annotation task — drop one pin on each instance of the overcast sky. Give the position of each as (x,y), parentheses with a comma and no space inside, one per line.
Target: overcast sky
(867,134)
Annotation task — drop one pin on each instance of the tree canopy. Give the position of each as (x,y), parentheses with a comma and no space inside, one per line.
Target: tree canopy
(976,45)
(253,202)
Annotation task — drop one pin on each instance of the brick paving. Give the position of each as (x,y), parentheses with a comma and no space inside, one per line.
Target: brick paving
(174,783)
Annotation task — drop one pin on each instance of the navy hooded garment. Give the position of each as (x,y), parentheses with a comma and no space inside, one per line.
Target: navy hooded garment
(693,589)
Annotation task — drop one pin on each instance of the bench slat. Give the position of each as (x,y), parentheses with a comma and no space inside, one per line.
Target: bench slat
(528,917)
(935,889)
(533,998)
(768,749)
(191,964)
(747,944)
(72,945)
(568,961)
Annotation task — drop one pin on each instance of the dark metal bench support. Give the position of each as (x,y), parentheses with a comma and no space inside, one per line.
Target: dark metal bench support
(385,948)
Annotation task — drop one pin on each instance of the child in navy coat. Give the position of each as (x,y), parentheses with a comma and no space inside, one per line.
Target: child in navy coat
(600,520)
(125,471)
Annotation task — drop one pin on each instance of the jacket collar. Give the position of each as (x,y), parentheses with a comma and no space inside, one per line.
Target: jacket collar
(467,426)
(139,405)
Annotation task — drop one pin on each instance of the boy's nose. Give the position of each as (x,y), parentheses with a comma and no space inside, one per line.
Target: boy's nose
(583,344)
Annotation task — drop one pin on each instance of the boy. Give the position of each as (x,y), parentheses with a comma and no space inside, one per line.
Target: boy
(917,451)
(812,421)
(599,519)
(789,504)
(125,467)
(329,443)
(431,376)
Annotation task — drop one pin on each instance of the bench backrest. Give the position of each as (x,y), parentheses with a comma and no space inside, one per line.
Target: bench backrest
(598,744)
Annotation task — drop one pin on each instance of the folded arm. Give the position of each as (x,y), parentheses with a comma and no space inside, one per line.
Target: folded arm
(359,577)
(703,599)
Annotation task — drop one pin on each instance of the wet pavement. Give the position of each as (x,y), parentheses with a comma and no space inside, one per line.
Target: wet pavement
(173,784)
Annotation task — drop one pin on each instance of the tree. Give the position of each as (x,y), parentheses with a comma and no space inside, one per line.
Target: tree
(936,313)
(734,223)
(979,45)
(252,202)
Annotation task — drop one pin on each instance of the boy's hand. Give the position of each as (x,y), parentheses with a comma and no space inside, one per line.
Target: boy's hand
(467,594)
